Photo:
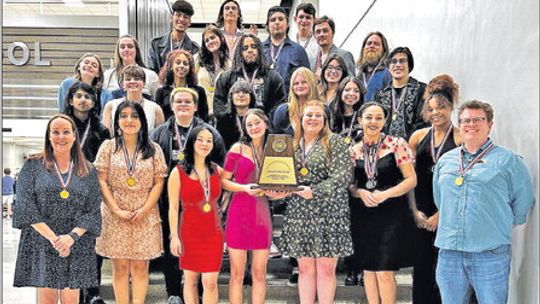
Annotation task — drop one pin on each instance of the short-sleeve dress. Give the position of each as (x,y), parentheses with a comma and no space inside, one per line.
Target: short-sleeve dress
(249,226)
(122,239)
(381,233)
(320,227)
(199,230)
(38,263)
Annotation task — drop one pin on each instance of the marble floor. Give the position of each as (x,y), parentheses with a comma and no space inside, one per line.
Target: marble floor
(10,243)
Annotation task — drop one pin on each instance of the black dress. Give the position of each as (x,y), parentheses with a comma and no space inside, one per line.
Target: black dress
(380,234)
(425,288)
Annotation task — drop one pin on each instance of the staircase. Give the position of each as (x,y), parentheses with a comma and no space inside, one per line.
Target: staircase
(279,270)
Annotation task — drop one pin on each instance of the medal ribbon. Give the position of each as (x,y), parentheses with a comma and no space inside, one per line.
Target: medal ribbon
(179,137)
(349,132)
(435,157)
(255,157)
(252,77)
(131,163)
(305,152)
(307,41)
(395,107)
(59,175)
(85,135)
(461,170)
(179,44)
(371,158)
(274,56)
(206,188)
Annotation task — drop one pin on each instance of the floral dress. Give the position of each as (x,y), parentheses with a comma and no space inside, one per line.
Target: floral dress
(320,227)
(123,239)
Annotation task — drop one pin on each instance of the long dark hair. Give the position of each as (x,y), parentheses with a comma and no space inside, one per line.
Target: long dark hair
(206,57)
(80,165)
(342,64)
(166,74)
(221,20)
(145,146)
(244,137)
(241,85)
(337,105)
(93,114)
(239,61)
(189,150)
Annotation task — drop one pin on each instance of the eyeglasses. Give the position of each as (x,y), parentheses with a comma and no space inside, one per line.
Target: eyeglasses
(400,61)
(181,102)
(474,120)
(81,95)
(334,68)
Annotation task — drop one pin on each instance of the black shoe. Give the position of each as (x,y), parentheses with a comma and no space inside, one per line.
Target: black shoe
(293,280)
(96,300)
(247,280)
(351,279)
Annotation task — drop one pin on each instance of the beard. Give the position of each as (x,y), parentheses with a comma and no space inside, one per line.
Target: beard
(371,58)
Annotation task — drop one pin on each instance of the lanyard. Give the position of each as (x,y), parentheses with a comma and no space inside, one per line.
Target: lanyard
(85,135)
(305,44)
(366,83)
(179,44)
(179,136)
(206,186)
(349,132)
(59,175)
(274,56)
(305,152)
(371,158)
(396,105)
(435,157)
(131,163)
(461,170)
(252,77)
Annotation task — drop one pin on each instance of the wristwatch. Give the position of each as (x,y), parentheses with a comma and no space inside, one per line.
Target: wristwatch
(74,235)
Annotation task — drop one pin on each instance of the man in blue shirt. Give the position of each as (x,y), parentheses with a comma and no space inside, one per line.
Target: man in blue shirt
(372,69)
(281,53)
(7,190)
(482,191)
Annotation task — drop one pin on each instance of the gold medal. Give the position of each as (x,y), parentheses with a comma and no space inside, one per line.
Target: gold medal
(394,116)
(206,207)
(304,171)
(64,194)
(210,89)
(347,140)
(181,156)
(271,66)
(458,181)
(130,181)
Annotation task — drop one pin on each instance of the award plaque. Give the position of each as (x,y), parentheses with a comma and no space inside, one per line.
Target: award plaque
(278,168)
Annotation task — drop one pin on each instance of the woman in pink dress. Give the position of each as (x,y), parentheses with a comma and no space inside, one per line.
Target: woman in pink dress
(248,222)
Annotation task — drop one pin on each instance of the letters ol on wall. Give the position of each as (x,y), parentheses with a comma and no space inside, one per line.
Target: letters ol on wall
(26,54)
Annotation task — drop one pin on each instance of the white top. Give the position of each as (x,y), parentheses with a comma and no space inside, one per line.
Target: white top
(149,108)
(151,84)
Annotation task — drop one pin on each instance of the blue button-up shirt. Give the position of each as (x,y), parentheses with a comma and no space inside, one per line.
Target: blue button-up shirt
(291,57)
(496,194)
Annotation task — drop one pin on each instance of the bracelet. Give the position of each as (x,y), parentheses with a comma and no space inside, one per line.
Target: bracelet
(74,235)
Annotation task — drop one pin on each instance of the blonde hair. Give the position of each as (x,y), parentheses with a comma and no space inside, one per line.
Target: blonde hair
(295,109)
(192,92)
(324,134)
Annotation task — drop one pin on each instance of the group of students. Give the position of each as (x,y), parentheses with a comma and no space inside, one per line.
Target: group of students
(143,161)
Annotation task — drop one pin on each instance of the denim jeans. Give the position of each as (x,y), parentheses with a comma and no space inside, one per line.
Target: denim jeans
(486,272)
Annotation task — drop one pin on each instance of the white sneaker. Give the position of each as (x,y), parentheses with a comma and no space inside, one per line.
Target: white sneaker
(274,251)
(174,300)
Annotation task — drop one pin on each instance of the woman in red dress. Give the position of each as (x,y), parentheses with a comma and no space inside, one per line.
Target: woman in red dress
(196,235)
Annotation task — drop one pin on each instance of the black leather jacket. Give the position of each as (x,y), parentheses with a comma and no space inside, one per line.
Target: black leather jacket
(160,47)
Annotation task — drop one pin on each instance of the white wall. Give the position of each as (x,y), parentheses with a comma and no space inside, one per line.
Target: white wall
(491,48)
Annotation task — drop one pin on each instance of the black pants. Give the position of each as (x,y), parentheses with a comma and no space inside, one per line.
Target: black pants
(169,265)
(425,289)
(86,295)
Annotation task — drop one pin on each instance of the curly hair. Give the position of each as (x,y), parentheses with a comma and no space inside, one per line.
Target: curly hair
(166,74)
(444,89)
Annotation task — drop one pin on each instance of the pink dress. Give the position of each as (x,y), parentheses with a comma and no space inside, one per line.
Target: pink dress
(248,220)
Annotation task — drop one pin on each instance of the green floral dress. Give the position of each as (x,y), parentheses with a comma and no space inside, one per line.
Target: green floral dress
(320,227)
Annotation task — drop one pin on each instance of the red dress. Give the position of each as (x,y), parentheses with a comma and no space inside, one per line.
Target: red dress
(200,232)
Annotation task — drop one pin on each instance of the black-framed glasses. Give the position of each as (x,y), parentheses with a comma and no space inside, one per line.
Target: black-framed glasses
(474,120)
(395,61)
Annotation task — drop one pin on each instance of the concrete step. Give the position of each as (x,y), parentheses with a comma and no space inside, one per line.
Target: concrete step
(277,291)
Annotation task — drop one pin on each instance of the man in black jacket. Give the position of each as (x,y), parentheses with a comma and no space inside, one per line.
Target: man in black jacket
(171,137)
(250,64)
(177,38)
